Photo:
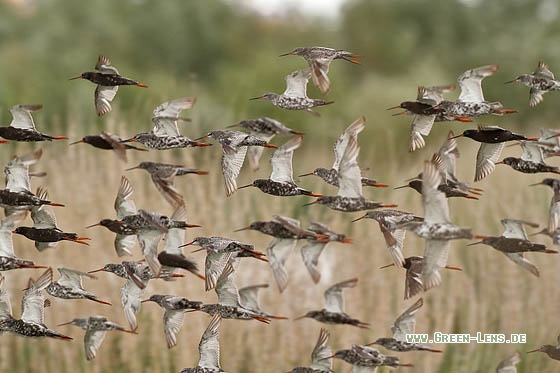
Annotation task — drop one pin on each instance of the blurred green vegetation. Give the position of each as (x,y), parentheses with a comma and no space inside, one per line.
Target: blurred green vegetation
(225,54)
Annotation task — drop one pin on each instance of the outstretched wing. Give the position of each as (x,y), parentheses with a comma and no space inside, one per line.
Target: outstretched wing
(334,302)
(22,116)
(231,166)
(296,83)
(470,83)
(209,346)
(405,323)
(281,161)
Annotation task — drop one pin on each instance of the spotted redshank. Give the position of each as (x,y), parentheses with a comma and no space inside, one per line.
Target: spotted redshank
(319,60)
(539,82)
(108,80)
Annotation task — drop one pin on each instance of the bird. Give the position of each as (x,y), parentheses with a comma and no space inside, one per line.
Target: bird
(108,80)
(124,206)
(69,286)
(163,175)
(8,259)
(96,327)
(388,220)
(449,190)
(319,60)
(333,313)
(137,276)
(436,228)
(404,325)
(264,128)
(172,257)
(508,365)
(554,211)
(208,349)
(174,315)
(423,114)
(413,284)
(44,232)
(248,299)
(165,134)
(539,82)
(553,352)
(311,251)
(295,95)
(330,176)
(281,180)
(531,161)
(31,323)
(234,148)
(492,139)
(471,102)
(229,302)
(219,252)
(22,127)
(349,197)
(366,359)
(321,357)
(108,141)
(286,231)
(514,242)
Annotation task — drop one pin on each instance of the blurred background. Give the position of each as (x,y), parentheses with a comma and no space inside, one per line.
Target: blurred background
(225,52)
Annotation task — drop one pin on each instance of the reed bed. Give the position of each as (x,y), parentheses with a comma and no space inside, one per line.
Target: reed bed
(490,295)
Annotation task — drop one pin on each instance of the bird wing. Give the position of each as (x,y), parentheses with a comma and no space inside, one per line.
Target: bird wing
(166,116)
(172,323)
(21,116)
(470,83)
(149,240)
(214,266)
(543,71)
(33,302)
(116,144)
(296,83)
(293,225)
(486,158)
(249,296)
(349,175)
(394,239)
(406,322)
(123,205)
(167,190)
(231,165)
(226,289)
(421,125)
(435,259)
(531,152)
(321,356)
(123,244)
(172,109)
(519,258)
(17,171)
(5,305)
(449,153)
(102,97)
(104,66)
(554,212)
(434,93)
(281,161)
(436,209)
(319,71)
(130,299)
(413,282)
(363,369)
(310,254)
(535,96)
(334,302)
(277,252)
(341,143)
(42,216)
(515,229)
(92,341)
(209,346)
(6,227)
(508,364)
(175,237)
(72,278)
